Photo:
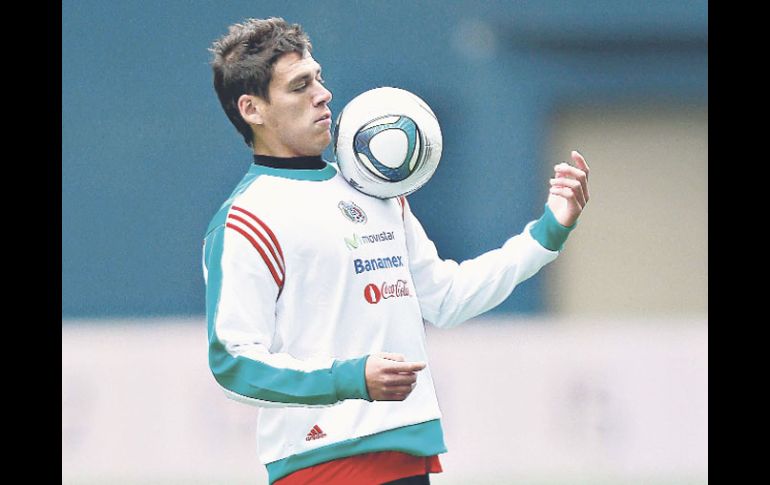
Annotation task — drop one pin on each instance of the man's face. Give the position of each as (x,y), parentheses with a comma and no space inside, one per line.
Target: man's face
(296,121)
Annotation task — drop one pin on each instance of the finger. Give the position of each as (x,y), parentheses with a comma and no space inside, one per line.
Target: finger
(567,194)
(406,367)
(565,182)
(400,379)
(576,186)
(580,161)
(399,389)
(394,396)
(391,356)
(390,396)
(568,171)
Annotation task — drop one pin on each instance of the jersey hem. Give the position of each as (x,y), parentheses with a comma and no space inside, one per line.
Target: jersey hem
(422,439)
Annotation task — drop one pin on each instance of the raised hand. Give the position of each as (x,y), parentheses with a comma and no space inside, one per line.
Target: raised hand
(568,194)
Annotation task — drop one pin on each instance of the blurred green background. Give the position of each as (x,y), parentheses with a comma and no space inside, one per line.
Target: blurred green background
(148,154)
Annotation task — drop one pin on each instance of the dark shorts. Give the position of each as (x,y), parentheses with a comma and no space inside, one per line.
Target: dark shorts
(418,480)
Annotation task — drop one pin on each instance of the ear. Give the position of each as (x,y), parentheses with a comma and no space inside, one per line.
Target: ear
(250,107)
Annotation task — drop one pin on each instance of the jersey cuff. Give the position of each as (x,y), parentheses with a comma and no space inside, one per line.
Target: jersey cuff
(350,378)
(549,233)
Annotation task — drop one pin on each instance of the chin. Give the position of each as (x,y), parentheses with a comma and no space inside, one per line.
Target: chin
(314,152)
(321,147)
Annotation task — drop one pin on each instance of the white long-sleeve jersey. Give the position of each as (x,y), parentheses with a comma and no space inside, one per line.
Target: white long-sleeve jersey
(306,277)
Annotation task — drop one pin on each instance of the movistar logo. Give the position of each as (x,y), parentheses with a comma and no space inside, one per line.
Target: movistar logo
(357,241)
(354,242)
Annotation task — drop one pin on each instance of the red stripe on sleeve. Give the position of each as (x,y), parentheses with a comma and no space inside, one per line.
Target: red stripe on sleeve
(264,226)
(259,234)
(261,251)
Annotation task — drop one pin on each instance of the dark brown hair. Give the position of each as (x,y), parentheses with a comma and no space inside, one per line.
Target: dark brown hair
(244,58)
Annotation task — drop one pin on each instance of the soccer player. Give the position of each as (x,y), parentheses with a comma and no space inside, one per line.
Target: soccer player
(316,294)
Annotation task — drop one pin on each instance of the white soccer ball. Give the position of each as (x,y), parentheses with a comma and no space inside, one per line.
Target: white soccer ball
(387,142)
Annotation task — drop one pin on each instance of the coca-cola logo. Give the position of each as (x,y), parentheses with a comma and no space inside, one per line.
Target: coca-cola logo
(373,294)
(395,290)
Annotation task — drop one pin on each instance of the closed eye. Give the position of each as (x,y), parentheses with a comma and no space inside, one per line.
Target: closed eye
(303,82)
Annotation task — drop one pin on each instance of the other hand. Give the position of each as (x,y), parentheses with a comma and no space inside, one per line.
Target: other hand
(389,377)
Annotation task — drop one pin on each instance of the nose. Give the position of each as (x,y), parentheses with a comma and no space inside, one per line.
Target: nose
(324,96)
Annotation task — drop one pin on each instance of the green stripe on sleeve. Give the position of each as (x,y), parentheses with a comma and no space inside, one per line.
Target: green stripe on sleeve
(258,380)
(548,232)
(350,378)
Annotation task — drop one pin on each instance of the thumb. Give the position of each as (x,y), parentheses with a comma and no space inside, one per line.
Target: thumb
(579,160)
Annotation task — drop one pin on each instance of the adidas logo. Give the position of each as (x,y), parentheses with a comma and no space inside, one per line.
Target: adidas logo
(315,434)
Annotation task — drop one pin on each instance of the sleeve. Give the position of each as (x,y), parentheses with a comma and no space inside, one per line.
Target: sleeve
(451,293)
(243,270)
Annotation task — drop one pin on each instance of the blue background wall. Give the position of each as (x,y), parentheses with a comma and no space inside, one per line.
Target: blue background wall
(148,155)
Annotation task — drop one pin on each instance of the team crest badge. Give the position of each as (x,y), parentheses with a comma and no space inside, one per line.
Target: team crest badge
(352,212)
